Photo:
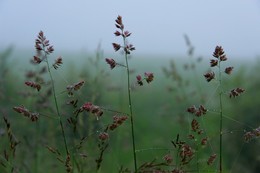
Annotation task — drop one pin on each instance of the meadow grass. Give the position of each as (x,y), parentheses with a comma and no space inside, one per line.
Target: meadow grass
(81,140)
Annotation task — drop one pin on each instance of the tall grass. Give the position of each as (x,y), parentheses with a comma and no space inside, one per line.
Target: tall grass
(88,127)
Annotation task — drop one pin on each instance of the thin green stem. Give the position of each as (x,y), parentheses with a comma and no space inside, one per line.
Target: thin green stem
(130,106)
(197,158)
(37,153)
(56,105)
(148,149)
(221,117)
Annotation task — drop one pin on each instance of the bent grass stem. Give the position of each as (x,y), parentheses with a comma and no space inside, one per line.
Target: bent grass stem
(221,117)
(130,107)
(56,105)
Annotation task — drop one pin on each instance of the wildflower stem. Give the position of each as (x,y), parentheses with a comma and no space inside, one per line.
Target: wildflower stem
(56,105)
(130,106)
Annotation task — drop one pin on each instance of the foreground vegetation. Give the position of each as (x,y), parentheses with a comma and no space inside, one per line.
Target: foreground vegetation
(115,115)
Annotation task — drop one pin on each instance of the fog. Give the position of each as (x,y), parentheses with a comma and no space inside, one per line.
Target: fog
(157,27)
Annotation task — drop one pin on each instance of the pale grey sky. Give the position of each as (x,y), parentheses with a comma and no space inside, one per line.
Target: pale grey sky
(157,26)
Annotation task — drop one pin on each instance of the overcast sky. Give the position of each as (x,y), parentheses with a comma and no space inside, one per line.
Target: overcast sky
(157,26)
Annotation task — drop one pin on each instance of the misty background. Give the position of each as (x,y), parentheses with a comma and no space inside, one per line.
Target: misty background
(157,26)
(76,29)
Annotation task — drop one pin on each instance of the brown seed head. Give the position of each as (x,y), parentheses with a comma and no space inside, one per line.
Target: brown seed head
(149,77)
(127,34)
(119,22)
(113,126)
(168,158)
(111,62)
(33,85)
(255,133)
(36,60)
(116,46)
(186,153)
(78,85)
(195,125)
(117,33)
(228,70)
(25,112)
(236,92)
(192,109)
(211,159)
(209,76)
(139,80)
(57,63)
(103,136)
(213,62)
(42,44)
(202,109)
(223,58)
(50,49)
(204,141)
(89,107)
(218,52)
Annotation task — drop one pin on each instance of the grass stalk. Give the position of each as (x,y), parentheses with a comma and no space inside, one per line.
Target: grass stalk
(197,159)
(56,105)
(130,107)
(221,117)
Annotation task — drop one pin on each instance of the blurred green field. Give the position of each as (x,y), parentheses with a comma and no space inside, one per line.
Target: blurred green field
(159,111)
